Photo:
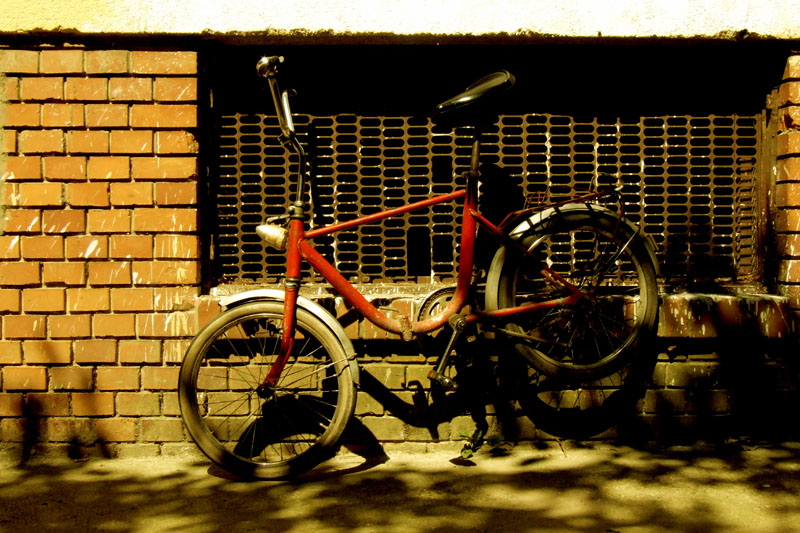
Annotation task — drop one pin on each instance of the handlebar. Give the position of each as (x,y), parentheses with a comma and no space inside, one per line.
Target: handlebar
(267,67)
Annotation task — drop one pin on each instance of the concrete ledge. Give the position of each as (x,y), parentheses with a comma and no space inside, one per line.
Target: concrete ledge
(692,315)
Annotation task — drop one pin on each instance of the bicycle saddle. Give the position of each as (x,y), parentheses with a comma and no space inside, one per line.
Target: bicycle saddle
(470,106)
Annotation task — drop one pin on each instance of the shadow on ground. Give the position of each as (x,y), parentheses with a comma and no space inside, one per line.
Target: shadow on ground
(602,488)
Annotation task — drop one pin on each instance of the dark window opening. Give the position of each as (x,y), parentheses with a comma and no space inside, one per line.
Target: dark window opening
(678,128)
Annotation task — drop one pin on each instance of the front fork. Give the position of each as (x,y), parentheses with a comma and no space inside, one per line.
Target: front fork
(291,289)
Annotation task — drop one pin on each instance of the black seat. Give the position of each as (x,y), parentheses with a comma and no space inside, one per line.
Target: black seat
(474,106)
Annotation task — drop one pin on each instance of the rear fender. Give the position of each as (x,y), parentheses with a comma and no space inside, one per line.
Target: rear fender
(541,219)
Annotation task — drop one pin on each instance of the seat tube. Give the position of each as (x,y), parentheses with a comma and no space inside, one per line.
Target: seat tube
(468,224)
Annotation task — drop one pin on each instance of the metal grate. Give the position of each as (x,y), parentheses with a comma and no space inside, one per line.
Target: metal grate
(688,180)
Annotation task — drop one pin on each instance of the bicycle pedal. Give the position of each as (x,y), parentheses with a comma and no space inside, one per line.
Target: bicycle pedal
(446,382)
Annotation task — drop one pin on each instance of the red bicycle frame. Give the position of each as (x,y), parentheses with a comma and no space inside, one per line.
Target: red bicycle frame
(299,249)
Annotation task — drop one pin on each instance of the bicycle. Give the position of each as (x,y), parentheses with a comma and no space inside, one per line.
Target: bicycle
(267,387)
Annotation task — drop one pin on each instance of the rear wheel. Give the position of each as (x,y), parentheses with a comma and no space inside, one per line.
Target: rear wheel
(609,263)
(269,432)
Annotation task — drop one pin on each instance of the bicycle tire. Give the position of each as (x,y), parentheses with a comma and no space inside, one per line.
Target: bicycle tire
(283,433)
(609,262)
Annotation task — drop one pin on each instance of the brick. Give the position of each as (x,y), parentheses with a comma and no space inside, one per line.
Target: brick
(390,376)
(127,300)
(115,429)
(176,142)
(131,142)
(138,404)
(11,405)
(789,270)
(87,142)
(10,301)
(43,300)
(170,405)
(47,404)
(207,310)
(11,86)
(18,430)
(43,247)
(92,404)
(64,221)
(787,194)
(42,88)
(61,61)
(140,351)
(22,221)
(160,378)
(41,141)
(177,247)
(76,431)
(65,168)
(69,274)
(40,194)
(23,168)
(164,62)
(10,353)
(47,352)
(788,143)
(175,89)
(169,220)
(166,273)
(132,194)
(106,61)
(62,115)
(22,115)
(9,247)
(175,298)
(88,300)
(162,430)
(87,247)
(109,221)
(165,325)
(109,168)
(8,141)
(24,378)
(172,194)
(20,274)
(114,325)
(130,89)
(163,116)
(19,61)
(163,168)
(114,378)
(9,194)
(385,428)
(174,350)
(88,194)
(71,378)
(86,89)
(95,351)
(106,115)
(69,326)
(787,220)
(110,273)
(131,247)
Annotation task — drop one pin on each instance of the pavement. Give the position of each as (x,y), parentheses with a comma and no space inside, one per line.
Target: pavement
(560,487)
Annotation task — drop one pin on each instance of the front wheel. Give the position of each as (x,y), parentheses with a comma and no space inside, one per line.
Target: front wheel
(259,432)
(608,262)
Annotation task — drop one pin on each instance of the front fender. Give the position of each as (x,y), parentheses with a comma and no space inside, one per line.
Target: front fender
(308,305)
(540,219)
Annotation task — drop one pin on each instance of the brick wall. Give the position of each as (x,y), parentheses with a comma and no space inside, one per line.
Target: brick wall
(99,246)
(100,274)
(787,186)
